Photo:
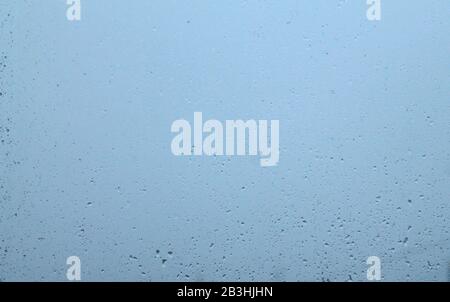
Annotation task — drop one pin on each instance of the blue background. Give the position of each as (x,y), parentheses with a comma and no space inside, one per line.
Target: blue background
(86,167)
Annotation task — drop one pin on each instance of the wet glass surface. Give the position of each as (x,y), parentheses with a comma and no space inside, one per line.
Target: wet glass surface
(86,167)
